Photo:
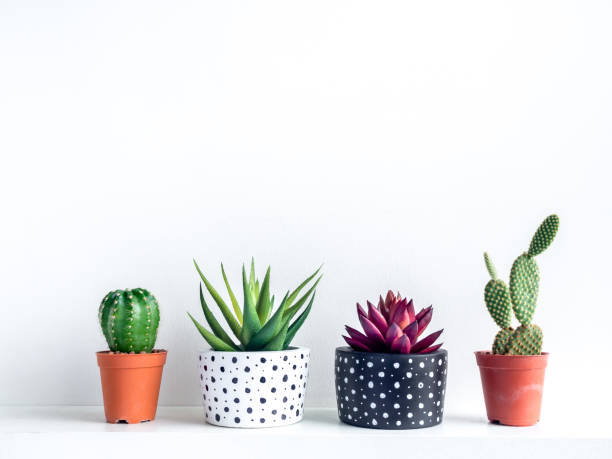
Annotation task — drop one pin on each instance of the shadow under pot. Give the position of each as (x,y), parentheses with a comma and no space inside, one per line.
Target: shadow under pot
(254,389)
(390,391)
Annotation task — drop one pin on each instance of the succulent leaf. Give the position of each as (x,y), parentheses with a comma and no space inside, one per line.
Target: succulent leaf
(216,343)
(524,285)
(297,324)
(291,311)
(235,304)
(270,328)
(277,343)
(299,288)
(544,235)
(426,342)
(355,344)
(251,324)
(263,300)
(229,318)
(213,323)
(526,340)
(497,298)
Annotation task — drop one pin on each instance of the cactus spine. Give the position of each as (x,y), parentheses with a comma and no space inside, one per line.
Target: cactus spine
(521,297)
(129,320)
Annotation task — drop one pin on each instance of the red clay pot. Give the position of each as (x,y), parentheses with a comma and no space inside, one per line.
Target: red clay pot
(512,386)
(130,385)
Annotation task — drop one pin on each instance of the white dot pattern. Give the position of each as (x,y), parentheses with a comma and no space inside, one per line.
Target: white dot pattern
(410,395)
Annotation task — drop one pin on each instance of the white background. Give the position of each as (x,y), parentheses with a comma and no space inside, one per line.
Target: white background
(393,141)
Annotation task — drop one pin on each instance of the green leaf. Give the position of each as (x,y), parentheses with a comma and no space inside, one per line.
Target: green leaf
(270,329)
(251,323)
(544,235)
(296,292)
(212,321)
(231,320)
(257,289)
(295,326)
(277,343)
(232,296)
(263,302)
(216,343)
(252,280)
(294,309)
(490,266)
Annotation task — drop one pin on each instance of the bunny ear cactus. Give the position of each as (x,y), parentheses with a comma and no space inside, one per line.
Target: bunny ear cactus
(129,320)
(256,327)
(521,298)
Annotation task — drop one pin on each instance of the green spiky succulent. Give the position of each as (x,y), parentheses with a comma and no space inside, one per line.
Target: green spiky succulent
(256,327)
(520,298)
(129,320)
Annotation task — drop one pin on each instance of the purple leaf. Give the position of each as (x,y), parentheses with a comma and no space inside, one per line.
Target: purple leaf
(393,332)
(377,318)
(426,342)
(424,321)
(412,331)
(356,344)
(371,331)
(411,311)
(431,349)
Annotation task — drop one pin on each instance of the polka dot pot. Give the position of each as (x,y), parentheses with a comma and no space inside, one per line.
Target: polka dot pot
(254,389)
(390,391)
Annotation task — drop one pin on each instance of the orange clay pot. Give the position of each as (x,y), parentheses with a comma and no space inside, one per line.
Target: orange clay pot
(512,386)
(130,385)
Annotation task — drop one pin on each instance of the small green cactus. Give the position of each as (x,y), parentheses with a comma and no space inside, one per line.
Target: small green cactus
(521,297)
(129,320)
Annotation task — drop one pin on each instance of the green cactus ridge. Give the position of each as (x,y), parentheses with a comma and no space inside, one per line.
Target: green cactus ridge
(526,340)
(544,235)
(129,320)
(497,298)
(524,286)
(500,344)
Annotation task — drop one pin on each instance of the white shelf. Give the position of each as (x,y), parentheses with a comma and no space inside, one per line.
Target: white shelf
(81,432)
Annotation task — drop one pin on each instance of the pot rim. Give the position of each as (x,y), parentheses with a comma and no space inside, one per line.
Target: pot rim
(291,349)
(348,349)
(486,359)
(152,359)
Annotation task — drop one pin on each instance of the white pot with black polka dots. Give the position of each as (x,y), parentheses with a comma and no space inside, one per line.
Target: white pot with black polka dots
(390,391)
(254,389)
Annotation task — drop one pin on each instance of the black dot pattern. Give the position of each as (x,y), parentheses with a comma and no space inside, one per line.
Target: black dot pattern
(254,389)
(390,391)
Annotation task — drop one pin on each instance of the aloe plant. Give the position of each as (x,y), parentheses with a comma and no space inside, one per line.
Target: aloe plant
(257,326)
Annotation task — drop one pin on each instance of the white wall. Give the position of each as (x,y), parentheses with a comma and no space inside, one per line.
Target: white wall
(393,141)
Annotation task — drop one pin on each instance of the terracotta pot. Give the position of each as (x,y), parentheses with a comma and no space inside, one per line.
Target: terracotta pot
(254,388)
(130,385)
(512,386)
(390,391)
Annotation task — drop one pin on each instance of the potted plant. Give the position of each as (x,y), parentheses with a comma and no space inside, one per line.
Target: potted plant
(389,378)
(512,373)
(260,379)
(131,370)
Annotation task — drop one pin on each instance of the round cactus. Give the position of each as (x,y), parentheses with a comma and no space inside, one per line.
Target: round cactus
(129,320)
(526,340)
(524,286)
(500,345)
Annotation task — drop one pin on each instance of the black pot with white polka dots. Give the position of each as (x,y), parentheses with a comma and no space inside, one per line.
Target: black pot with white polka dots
(254,389)
(390,391)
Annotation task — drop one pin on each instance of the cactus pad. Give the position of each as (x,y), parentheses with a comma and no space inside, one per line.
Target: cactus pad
(524,285)
(490,266)
(497,298)
(544,235)
(526,340)
(500,345)
(129,320)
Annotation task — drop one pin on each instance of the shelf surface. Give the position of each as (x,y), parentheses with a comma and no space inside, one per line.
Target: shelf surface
(71,431)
